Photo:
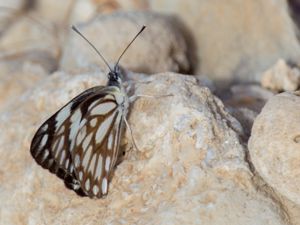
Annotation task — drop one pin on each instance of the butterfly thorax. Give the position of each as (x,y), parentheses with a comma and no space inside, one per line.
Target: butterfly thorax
(115,80)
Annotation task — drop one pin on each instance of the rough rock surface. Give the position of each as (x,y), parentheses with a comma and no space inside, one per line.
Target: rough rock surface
(15,83)
(274,144)
(281,77)
(28,40)
(236,40)
(189,168)
(161,44)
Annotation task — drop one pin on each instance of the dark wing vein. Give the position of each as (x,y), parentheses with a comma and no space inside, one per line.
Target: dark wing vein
(50,146)
(95,156)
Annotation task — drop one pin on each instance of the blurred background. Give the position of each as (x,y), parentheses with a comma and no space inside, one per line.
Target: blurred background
(229,42)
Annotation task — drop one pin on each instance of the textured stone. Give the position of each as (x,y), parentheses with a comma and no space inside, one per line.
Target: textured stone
(274,145)
(15,83)
(85,10)
(32,41)
(56,11)
(161,47)
(236,40)
(189,167)
(281,77)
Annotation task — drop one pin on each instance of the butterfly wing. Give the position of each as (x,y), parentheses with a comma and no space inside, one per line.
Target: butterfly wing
(55,141)
(50,146)
(97,145)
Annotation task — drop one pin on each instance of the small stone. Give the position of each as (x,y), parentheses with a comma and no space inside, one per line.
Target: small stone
(274,145)
(281,77)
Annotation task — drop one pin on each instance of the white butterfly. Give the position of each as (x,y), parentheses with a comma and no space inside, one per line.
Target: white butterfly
(80,142)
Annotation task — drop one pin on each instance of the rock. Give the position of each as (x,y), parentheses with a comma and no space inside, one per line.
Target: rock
(189,167)
(161,47)
(281,77)
(10,11)
(234,44)
(274,145)
(13,83)
(40,45)
(85,10)
(56,11)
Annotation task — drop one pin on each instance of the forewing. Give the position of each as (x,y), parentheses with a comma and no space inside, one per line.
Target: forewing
(97,145)
(51,145)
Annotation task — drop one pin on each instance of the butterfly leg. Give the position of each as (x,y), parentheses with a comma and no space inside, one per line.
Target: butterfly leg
(134,97)
(131,133)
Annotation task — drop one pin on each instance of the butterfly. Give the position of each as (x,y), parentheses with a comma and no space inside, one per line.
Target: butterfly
(80,142)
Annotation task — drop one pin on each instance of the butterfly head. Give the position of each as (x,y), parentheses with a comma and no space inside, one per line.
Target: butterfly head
(114,77)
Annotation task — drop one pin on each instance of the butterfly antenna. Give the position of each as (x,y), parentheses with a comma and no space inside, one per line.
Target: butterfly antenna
(78,32)
(129,45)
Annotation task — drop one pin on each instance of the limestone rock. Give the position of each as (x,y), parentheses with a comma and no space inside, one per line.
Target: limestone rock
(161,47)
(275,145)
(236,40)
(281,77)
(85,10)
(13,83)
(55,11)
(32,41)
(189,167)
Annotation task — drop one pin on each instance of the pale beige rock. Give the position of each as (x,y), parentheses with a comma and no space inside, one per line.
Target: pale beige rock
(161,47)
(85,10)
(12,4)
(236,40)
(274,145)
(189,168)
(30,39)
(56,11)
(281,77)
(13,83)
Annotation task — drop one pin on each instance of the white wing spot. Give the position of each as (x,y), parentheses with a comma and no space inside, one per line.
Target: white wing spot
(92,165)
(71,168)
(102,129)
(87,141)
(103,108)
(62,116)
(44,128)
(109,97)
(75,124)
(87,157)
(77,160)
(67,163)
(44,140)
(92,105)
(110,142)
(87,184)
(59,147)
(62,157)
(104,185)
(80,174)
(93,122)
(99,168)
(81,135)
(46,153)
(82,123)
(95,189)
(61,130)
(107,164)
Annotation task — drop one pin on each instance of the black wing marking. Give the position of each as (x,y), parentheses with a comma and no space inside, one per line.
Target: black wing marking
(52,137)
